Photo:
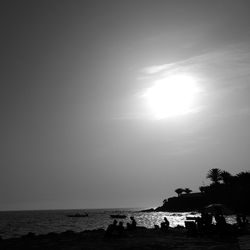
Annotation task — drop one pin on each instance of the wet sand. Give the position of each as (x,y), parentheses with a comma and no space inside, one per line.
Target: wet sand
(141,238)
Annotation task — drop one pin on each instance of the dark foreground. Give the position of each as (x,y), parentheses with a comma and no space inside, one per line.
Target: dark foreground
(140,238)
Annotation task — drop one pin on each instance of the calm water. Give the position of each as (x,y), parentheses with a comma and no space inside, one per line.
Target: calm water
(16,223)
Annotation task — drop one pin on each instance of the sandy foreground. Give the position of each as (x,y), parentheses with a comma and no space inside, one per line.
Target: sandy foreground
(141,238)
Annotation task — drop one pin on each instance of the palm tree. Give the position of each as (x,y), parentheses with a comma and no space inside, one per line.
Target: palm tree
(214,175)
(226,177)
(187,190)
(179,191)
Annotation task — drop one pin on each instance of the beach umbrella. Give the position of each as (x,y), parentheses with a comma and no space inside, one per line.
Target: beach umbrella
(214,208)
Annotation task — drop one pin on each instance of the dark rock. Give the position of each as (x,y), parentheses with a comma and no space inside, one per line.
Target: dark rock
(183,203)
(148,210)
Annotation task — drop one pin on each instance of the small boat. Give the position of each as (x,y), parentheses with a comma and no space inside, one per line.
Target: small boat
(118,216)
(78,215)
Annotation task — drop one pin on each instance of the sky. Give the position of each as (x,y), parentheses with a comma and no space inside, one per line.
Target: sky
(77,127)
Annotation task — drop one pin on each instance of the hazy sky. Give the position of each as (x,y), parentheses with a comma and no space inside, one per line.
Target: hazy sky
(75,129)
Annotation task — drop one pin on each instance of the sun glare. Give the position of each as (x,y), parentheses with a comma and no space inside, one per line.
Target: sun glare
(171,96)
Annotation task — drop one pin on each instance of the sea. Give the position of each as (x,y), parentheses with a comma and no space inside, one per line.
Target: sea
(18,223)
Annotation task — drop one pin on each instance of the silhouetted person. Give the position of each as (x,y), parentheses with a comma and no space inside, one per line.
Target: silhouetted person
(239,221)
(244,219)
(206,220)
(165,224)
(221,225)
(111,229)
(217,216)
(120,228)
(200,223)
(132,225)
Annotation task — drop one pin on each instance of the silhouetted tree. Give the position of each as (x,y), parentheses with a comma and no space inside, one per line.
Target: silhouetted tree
(232,190)
(179,191)
(187,190)
(226,177)
(214,175)
(243,178)
(242,191)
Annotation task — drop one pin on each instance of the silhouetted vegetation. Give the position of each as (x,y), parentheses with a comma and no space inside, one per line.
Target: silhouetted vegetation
(214,175)
(225,188)
(187,190)
(228,189)
(179,191)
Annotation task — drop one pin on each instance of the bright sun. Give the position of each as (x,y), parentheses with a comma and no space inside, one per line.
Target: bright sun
(171,96)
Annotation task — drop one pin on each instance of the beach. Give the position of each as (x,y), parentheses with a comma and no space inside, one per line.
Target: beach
(140,238)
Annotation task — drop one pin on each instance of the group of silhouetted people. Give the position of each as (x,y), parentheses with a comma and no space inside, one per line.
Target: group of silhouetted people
(204,224)
(117,229)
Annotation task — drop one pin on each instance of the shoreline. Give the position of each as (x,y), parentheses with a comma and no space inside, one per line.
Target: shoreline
(140,238)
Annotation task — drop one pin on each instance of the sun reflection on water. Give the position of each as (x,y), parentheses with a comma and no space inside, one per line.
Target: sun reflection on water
(151,219)
(155,218)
